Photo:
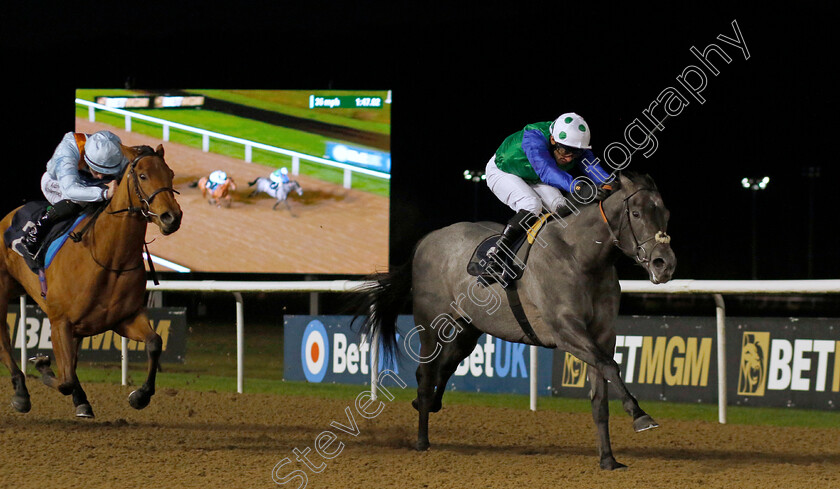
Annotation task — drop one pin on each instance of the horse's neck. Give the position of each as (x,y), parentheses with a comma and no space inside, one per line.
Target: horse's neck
(588,236)
(120,232)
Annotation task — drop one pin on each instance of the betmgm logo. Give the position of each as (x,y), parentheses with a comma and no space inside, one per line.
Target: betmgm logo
(752,370)
(574,371)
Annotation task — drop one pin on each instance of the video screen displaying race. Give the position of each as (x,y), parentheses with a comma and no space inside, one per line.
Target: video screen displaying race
(269,181)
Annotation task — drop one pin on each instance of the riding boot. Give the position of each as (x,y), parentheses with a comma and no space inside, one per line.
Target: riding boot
(513,232)
(33,240)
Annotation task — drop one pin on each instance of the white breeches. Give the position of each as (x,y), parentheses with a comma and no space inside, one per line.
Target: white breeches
(518,194)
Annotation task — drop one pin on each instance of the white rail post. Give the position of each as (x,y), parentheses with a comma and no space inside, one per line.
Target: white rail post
(205,142)
(240,343)
(348,178)
(128,123)
(374,366)
(91,114)
(165,135)
(22,333)
(721,356)
(295,165)
(533,351)
(249,151)
(124,365)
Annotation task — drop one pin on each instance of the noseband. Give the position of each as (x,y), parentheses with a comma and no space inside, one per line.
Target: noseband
(661,237)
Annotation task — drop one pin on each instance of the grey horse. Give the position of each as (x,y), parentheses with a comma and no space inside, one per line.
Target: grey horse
(277,190)
(569,292)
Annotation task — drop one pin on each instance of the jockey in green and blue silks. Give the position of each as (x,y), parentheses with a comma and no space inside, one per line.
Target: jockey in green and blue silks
(82,170)
(279,176)
(531,169)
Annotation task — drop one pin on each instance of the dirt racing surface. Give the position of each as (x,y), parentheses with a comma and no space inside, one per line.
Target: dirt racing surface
(225,440)
(328,230)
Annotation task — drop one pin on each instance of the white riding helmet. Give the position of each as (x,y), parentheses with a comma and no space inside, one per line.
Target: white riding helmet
(571,130)
(218,177)
(103,153)
(278,174)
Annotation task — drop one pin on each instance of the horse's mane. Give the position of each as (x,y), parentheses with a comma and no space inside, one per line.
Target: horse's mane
(640,180)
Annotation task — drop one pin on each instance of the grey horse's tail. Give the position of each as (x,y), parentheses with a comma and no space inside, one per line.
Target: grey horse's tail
(382,302)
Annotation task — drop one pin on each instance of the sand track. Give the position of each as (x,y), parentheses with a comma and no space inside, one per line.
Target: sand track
(221,440)
(330,229)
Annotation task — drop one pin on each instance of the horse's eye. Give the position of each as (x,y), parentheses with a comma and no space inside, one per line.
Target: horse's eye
(142,176)
(636,214)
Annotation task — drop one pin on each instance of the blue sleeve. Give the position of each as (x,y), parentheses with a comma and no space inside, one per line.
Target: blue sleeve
(588,163)
(536,149)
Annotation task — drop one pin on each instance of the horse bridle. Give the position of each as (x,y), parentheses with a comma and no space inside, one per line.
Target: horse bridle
(145,208)
(661,237)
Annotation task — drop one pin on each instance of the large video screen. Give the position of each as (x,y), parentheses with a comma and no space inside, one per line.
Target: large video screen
(270,181)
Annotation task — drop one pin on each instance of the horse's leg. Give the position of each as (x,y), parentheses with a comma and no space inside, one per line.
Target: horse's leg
(601,415)
(433,375)
(20,400)
(573,337)
(276,203)
(64,348)
(80,400)
(139,329)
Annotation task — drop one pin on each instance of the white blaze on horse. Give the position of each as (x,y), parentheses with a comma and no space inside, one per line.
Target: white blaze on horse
(277,190)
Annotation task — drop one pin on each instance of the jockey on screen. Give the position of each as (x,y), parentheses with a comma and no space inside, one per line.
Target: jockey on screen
(279,176)
(532,167)
(82,170)
(215,179)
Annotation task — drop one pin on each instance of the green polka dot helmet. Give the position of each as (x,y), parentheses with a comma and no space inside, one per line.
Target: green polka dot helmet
(571,130)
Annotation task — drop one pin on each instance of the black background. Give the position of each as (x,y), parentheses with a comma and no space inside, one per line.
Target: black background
(463,78)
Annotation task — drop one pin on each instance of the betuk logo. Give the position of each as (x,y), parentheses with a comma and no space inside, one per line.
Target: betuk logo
(752,372)
(315,351)
(574,371)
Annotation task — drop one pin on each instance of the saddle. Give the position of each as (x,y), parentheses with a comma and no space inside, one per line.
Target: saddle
(26,217)
(513,267)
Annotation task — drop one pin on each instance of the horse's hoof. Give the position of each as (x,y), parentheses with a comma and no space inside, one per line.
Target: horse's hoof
(84,411)
(139,399)
(40,361)
(423,445)
(643,423)
(21,404)
(612,464)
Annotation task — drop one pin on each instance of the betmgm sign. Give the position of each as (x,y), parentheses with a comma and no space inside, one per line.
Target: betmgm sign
(769,361)
(170,323)
(327,349)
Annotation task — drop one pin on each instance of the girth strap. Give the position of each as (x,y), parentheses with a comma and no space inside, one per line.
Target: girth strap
(519,313)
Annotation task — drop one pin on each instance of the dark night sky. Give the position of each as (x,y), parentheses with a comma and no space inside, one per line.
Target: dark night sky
(466,77)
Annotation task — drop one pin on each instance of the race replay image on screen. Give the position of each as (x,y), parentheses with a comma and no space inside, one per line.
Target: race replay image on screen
(269,181)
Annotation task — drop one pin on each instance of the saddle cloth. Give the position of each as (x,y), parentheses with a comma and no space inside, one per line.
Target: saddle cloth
(479,261)
(25,217)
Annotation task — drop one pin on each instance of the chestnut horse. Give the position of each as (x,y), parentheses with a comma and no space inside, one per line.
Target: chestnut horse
(96,284)
(218,195)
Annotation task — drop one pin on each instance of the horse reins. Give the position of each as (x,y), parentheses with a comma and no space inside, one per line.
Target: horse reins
(144,209)
(661,237)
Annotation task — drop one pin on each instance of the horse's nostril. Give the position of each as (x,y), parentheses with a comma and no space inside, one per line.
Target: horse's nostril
(167,218)
(658,263)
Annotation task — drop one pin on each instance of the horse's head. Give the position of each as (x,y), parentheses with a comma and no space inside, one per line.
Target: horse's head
(148,187)
(642,232)
(293,185)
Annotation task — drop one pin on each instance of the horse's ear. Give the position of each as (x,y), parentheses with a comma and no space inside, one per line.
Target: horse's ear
(159,150)
(624,181)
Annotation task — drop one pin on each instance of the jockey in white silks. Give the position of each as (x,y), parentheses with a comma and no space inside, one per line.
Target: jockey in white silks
(82,170)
